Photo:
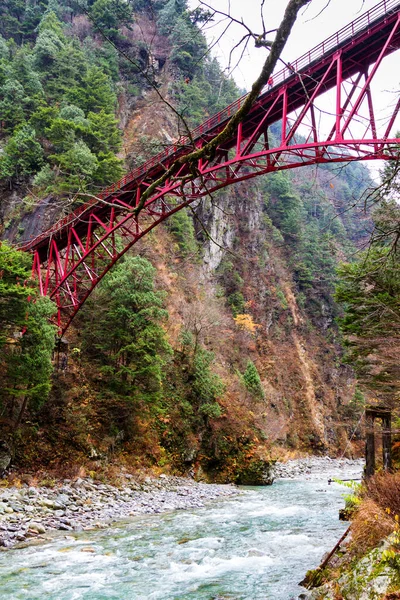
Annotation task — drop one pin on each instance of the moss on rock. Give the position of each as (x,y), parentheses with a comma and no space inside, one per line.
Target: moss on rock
(256,472)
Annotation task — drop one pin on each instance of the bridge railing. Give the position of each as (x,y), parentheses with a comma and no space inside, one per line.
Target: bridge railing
(334,41)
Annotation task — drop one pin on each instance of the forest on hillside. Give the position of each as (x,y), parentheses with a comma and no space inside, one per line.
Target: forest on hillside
(190,355)
(252,327)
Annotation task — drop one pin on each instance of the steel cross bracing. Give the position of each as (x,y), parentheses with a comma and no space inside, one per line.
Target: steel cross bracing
(326,109)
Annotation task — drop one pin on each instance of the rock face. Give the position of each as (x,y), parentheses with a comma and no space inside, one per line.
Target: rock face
(259,472)
(5,456)
(256,258)
(374,577)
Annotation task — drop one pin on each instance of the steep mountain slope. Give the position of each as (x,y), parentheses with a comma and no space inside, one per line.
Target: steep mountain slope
(220,348)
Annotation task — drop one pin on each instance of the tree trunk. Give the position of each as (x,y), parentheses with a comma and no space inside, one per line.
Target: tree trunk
(21,413)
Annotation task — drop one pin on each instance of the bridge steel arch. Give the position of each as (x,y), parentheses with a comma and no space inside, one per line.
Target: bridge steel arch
(73,255)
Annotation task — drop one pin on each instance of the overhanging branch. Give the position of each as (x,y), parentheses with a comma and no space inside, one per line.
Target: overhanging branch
(209,149)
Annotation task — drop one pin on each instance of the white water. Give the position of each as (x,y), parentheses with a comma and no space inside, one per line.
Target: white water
(255,546)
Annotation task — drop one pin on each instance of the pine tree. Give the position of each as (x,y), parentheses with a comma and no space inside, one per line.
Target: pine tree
(23,155)
(369,290)
(126,338)
(26,336)
(252,381)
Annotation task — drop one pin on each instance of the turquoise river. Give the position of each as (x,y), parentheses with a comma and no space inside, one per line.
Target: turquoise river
(254,546)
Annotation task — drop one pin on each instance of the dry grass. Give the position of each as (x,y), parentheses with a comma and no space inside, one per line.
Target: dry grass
(376,517)
(370,525)
(384,490)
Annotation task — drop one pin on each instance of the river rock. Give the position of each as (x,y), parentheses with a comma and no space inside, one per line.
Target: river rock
(369,578)
(49,503)
(62,499)
(258,472)
(321,467)
(38,527)
(72,506)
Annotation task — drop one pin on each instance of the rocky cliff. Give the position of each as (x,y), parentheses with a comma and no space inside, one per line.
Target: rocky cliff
(254,367)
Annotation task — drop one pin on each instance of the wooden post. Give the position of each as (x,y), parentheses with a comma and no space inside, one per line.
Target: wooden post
(370,444)
(60,356)
(372,413)
(387,442)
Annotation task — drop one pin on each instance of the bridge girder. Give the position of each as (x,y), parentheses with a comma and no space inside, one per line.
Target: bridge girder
(74,255)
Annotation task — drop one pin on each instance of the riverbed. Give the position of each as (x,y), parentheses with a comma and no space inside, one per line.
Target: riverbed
(253,546)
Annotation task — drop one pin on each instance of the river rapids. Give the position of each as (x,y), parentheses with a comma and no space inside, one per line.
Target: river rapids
(256,545)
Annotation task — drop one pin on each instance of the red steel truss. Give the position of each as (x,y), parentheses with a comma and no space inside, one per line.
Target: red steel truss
(73,255)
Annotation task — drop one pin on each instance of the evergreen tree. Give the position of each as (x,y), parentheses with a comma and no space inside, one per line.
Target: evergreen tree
(22,71)
(370,292)
(169,14)
(49,43)
(126,338)
(14,271)
(252,381)
(11,19)
(30,367)
(26,336)
(181,226)
(78,165)
(205,386)
(109,169)
(4,50)
(103,134)
(23,155)
(284,206)
(67,72)
(109,15)
(94,93)
(12,104)
(188,47)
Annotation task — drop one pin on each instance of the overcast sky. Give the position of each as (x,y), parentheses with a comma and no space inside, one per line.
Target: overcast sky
(319,20)
(316,22)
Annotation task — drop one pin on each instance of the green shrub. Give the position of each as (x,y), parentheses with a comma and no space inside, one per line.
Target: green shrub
(211,410)
(252,381)
(181,226)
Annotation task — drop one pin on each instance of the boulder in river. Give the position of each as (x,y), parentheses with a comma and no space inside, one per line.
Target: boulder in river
(257,472)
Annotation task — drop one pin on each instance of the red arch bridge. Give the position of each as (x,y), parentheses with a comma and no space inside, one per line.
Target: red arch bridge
(73,255)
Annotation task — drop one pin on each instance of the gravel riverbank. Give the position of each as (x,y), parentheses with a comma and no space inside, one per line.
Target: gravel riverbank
(30,514)
(84,504)
(320,467)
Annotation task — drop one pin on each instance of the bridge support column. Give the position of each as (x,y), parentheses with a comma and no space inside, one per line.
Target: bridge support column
(369,445)
(372,413)
(387,443)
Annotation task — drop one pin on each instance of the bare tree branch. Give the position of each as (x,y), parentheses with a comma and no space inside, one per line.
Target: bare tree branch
(209,149)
